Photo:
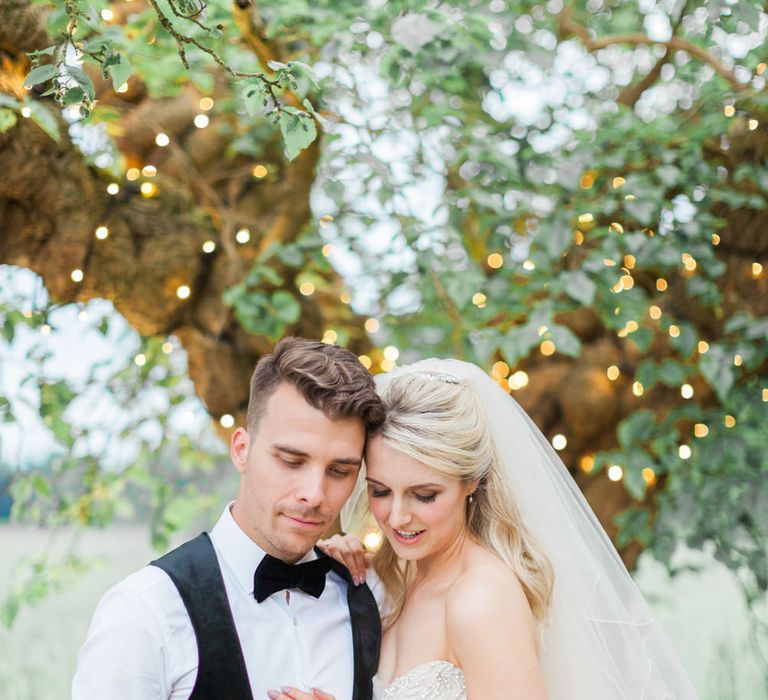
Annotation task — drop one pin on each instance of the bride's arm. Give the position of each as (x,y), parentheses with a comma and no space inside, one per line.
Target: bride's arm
(492,634)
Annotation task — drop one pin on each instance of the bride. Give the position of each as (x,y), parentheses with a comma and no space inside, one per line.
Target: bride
(499,581)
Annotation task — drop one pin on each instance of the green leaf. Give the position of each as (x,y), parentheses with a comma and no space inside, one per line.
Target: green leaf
(717,368)
(579,287)
(634,483)
(45,119)
(672,373)
(634,524)
(253,98)
(41,74)
(41,485)
(686,342)
(565,340)
(8,119)
(73,96)
(302,69)
(636,429)
(120,72)
(298,132)
(286,306)
(6,413)
(83,80)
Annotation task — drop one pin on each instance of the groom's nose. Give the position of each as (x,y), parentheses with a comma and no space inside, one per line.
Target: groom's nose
(311,489)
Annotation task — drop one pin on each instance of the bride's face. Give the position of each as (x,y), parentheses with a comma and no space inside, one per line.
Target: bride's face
(420,511)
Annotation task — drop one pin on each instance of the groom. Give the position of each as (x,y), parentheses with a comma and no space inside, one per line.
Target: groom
(252,607)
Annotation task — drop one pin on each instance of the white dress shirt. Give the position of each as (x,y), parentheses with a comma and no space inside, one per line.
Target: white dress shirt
(141,645)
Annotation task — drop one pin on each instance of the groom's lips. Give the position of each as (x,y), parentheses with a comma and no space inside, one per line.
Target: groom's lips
(308,524)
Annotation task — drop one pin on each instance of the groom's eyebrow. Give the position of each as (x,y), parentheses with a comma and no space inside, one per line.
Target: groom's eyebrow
(355,462)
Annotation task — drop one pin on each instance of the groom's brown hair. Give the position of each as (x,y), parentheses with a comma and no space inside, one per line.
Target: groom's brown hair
(330,378)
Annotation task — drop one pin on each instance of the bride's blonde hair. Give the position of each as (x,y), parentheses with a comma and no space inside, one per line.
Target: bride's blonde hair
(437,420)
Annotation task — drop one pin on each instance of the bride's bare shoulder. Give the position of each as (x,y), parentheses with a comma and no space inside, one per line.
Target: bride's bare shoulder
(487,590)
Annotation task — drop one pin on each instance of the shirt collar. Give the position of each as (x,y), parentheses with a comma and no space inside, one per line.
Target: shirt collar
(239,551)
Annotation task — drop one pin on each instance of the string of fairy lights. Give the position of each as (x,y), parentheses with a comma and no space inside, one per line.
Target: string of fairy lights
(500,372)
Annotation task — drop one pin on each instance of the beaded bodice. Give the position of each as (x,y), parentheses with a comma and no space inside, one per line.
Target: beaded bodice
(433,680)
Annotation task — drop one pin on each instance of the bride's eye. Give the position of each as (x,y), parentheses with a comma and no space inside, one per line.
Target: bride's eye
(426,499)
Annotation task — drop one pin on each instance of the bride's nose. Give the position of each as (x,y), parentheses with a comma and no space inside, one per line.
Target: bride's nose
(399,514)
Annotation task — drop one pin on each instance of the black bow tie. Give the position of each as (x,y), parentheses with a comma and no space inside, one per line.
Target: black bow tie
(273,575)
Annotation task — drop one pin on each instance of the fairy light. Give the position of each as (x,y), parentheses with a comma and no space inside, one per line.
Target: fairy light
(587,463)
(26,112)
(703,346)
(752,124)
(661,284)
(616,226)
(519,380)
(345,298)
(609,262)
(542,330)
(76,275)
(587,179)
(113,188)
(715,239)
(45,329)
(82,316)
(586,218)
(149,171)
(495,261)
(637,389)
(765,394)
(107,15)
(630,197)
(674,331)
(307,289)
(654,312)
(757,269)
(627,282)
(559,441)
(689,262)
(479,299)
(206,104)
(243,236)
(760,68)
(101,232)
(167,347)
(547,348)
(578,237)
(391,353)
(500,369)
(729,110)
(209,246)
(615,472)
(686,391)
(738,360)
(327,249)
(183,292)
(632,326)
(630,261)
(700,430)
(684,451)
(729,421)
(529,265)
(613,373)
(372,325)
(365,361)
(227,421)
(148,189)
(372,540)
(649,476)
(259,171)
(123,88)
(201,121)
(325,220)
(387,365)
(140,360)
(162,139)
(618,182)
(132,174)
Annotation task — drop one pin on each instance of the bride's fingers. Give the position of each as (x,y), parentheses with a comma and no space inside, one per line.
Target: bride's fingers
(354,558)
(320,695)
(288,693)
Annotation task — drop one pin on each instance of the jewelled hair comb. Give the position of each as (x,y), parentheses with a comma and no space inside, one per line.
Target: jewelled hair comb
(442,377)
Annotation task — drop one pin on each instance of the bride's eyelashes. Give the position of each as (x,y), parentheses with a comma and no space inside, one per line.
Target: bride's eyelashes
(428,498)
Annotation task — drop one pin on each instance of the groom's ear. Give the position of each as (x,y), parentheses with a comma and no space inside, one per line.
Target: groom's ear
(238,448)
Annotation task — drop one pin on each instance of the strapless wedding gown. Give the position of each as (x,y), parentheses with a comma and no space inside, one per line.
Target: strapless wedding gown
(433,680)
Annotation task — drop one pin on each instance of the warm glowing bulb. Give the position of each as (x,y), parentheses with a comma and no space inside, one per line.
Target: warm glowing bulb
(649,476)
(113,188)
(167,348)
(627,282)
(243,236)
(107,15)
(307,289)
(757,269)
(586,218)
(162,140)
(630,261)
(259,171)
(209,246)
(686,391)
(578,237)
(661,284)
(133,174)
(149,171)
(391,353)
(616,226)
(518,380)
(206,104)
(372,325)
(500,369)
(387,365)
(587,463)
(654,312)
(765,394)
(700,430)
(637,389)
(684,451)
(559,441)
(201,121)
(227,421)
(618,182)
(674,331)
(703,347)
(547,348)
(738,360)
(345,297)
(615,472)
(372,540)
(752,124)
(327,249)
(495,261)
(529,265)
(479,299)
(613,372)
(101,232)
(148,189)
(183,292)
(365,361)
(729,110)
(715,239)
(140,360)
(45,329)
(123,88)
(76,275)
(729,421)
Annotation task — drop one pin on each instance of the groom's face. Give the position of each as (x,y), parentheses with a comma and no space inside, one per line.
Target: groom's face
(296,472)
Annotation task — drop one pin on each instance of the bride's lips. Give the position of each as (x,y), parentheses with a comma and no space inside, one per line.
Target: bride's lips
(407,540)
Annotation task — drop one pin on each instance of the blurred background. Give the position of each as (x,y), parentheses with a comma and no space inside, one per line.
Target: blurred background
(571,195)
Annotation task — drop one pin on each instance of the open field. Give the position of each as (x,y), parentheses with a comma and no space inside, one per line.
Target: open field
(703,613)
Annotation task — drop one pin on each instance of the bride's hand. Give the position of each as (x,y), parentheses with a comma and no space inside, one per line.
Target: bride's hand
(296,694)
(348,549)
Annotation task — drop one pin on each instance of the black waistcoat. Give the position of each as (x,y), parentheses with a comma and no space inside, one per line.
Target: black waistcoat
(221,673)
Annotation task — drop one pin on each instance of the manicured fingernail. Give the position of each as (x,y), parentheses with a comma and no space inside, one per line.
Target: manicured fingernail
(273,694)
